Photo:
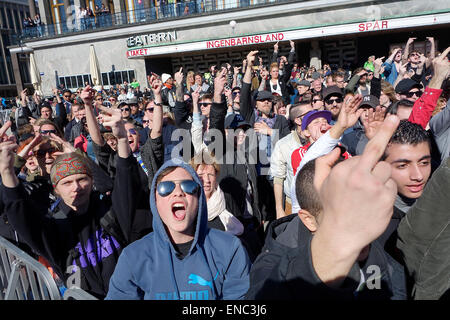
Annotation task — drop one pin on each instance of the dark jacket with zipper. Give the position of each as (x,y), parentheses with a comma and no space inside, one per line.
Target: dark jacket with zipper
(284,270)
(74,242)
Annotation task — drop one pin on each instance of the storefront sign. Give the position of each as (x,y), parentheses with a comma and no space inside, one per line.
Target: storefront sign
(152,38)
(319,32)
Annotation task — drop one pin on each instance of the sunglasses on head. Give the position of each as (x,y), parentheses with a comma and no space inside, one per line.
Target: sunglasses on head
(411,94)
(45,132)
(165,188)
(42,152)
(337,100)
(125,109)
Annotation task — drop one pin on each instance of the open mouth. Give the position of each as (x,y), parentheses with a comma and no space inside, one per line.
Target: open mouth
(415,188)
(179,211)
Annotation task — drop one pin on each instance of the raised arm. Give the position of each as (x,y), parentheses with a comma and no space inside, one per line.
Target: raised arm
(406,50)
(157,125)
(87,95)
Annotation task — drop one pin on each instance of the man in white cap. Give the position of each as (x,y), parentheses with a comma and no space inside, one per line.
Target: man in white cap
(168,92)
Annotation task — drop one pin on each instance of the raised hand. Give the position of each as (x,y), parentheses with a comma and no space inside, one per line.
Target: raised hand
(179,77)
(8,149)
(262,128)
(373,122)
(67,147)
(236,70)
(350,111)
(219,85)
(292,43)
(352,193)
(87,95)
(113,118)
(275,47)
(195,96)
(251,58)
(156,85)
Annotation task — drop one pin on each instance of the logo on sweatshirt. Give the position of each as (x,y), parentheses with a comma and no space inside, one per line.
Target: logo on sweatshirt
(196,279)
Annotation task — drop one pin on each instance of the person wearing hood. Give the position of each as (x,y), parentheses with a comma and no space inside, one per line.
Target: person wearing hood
(182,259)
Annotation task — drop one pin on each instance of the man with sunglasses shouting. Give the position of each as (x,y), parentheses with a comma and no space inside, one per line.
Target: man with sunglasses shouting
(182,259)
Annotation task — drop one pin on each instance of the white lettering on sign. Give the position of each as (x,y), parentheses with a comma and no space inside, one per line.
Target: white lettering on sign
(148,39)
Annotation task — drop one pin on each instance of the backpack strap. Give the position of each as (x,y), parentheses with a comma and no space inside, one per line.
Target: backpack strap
(110,225)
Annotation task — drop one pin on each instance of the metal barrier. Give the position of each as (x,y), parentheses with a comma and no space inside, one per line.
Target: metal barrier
(22,277)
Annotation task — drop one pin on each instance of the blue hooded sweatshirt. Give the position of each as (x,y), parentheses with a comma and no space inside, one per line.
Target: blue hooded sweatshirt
(216,267)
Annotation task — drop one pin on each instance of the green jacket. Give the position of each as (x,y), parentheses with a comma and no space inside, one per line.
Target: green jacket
(424,238)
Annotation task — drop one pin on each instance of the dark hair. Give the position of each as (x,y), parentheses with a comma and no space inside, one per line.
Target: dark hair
(408,133)
(393,108)
(307,195)
(66,91)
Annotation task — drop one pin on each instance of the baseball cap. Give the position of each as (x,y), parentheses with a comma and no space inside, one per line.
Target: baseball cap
(370,100)
(331,90)
(407,84)
(165,77)
(234,121)
(314,114)
(263,95)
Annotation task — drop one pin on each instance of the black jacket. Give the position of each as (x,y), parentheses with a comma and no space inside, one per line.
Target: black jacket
(71,241)
(284,269)
(283,81)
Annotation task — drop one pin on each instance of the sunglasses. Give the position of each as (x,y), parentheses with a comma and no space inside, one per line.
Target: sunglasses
(316,100)
(46,132)
(411,94)
(165,188)
(266,100)
(330,101)
(235,93)
(67,96)
(204,104)
(41,152)
(145,121)
(132,131)
(98,99)
(150,109)
(125,109)
(370,74)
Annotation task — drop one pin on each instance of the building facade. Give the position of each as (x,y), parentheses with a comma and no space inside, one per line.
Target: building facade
(13,67)
(138,37)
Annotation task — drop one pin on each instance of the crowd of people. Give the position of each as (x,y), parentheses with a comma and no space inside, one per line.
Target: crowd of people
(255,181)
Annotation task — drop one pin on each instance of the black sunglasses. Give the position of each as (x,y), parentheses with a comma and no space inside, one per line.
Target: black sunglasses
(44,132)
(411,94)
(204,104)
(330,101)
(41,152)
(235,93)
(315,100)
(125,109)
(145,121)
(165,188)
(150,109)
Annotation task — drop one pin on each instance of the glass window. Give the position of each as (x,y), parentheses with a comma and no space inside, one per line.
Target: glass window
(85,79)
(3,78)
(112,79)
(131,75)
(10,69)
(68,82)
(80,81)
(118,76)
(62,81)
(125,77)
(18,22)
(74,81)
(105,81)
(10,19)
(2,12)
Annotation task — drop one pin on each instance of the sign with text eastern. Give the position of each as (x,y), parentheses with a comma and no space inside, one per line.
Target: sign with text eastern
(152,38)
(307,33)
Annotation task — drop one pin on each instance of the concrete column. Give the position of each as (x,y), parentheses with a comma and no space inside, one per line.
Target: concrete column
(32,6)
(44,12)
(16,71)
(119,6)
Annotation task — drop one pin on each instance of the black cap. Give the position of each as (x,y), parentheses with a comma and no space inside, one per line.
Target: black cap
(263,95)
(407,84)
(369,100)
(331,90)
(234,121)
